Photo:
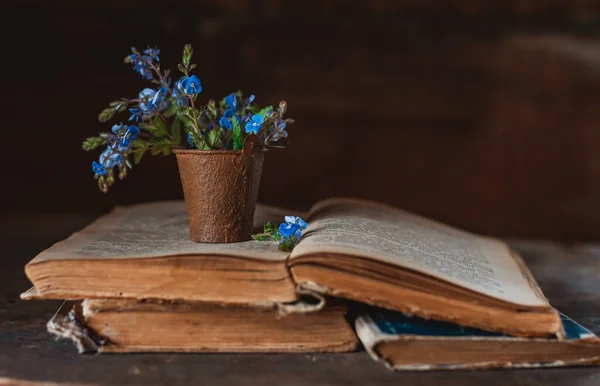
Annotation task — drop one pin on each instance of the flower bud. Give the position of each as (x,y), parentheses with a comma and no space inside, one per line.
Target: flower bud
(282,107)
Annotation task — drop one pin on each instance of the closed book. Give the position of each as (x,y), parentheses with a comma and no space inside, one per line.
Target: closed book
(412,343)
(120,326)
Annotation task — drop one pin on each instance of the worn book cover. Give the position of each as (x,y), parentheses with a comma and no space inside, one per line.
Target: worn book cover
(411,343)
(120,326)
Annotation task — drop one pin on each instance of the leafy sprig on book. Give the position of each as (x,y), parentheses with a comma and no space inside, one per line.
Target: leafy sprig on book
(168,116)
(288,233)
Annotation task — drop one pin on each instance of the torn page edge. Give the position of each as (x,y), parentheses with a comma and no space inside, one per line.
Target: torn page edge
(301,306)
(369,337)
(594,361)
(67,324)
(31,294)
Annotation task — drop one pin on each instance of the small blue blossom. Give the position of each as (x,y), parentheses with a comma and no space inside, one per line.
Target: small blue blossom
(98,169)
(124,144)
(229,113)
(158,101)
(141,64)
(109,159)
(191,85)
(225,123)
(250,99)
(189,142)
(153,53)
(231,101)
(137,114)
(279,135)
(255,124)
(145,95)
(288,230)
(119,129)
(293,226)
(132,132)
(296,220)
(182,98)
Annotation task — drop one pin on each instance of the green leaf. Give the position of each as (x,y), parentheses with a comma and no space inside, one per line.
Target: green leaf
(162,128)
(265,111)
(157,127)
(287,244)
(199,142)
(107,114)
(176,131)
(185,119)
(237,134)
(181,68)
(139,149)
(171,111)
(188,51)
(162,146)
(215,138)
(93,143)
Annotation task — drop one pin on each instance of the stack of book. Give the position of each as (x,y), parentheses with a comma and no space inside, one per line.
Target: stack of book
(433,296)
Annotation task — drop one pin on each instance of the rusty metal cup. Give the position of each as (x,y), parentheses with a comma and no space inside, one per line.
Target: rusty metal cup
(220,188)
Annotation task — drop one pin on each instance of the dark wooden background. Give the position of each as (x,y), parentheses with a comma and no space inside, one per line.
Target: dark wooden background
(481,114)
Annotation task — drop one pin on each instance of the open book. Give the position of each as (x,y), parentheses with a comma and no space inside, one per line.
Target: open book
(353,249)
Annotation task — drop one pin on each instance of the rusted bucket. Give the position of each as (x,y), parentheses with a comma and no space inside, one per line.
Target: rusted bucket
(220,188)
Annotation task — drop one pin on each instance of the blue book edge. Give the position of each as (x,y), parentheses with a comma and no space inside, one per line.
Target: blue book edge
(396,323)
(380,325)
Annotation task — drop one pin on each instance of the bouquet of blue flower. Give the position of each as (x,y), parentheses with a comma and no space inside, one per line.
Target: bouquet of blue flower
(168,116)
(287,234)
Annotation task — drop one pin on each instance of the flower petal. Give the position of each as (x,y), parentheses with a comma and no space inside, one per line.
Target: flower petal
(301,223)
(287,230)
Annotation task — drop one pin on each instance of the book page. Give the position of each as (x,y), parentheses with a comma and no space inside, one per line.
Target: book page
(154,230)
(386,234)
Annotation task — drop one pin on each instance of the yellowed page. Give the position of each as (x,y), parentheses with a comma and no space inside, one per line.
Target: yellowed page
(386,234)
(153,230)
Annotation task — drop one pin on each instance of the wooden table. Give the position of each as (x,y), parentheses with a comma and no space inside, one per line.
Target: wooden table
(569,275)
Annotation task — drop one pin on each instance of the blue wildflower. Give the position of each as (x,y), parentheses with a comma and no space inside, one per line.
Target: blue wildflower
(229,113)
(231,101)
(119,129)
(98,169)
(141,64)
(296,220)
(293,226)
(250,99)
(158,100)
(191,85)
(109,159)
(189,142)
(153,53)
(137,114)
(279,130)
(278,135)
(182,99)
(145,95)
(254,124)
(225,123)
(132,132)
(288,230)
(124,144)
